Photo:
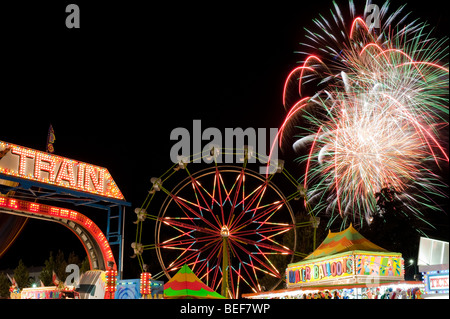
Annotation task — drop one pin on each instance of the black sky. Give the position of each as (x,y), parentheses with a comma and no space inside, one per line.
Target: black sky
(115,88)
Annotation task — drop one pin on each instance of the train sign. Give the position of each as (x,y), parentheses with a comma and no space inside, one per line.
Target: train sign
(30,164)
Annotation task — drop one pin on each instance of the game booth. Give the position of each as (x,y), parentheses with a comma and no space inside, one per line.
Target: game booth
(433,265)
(346,266)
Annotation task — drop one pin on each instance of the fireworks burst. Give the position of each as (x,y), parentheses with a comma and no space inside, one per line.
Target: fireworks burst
(377,117)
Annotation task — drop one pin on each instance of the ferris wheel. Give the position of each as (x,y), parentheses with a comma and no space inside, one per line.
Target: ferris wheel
(232,226)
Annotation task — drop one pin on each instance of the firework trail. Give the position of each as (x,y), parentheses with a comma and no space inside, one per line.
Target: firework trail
(377,116)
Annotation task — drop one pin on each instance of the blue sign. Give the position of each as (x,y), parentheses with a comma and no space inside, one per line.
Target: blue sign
(129,289)
(436,282)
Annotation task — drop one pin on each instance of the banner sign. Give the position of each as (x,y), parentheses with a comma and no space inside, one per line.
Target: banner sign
(318,271)
(376,265)
(29,164)
(345,266)
(439,282)
(41,293)
(436,281)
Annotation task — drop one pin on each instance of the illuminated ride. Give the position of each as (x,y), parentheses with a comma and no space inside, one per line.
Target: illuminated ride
(233,226)
(28,177)
(94,241)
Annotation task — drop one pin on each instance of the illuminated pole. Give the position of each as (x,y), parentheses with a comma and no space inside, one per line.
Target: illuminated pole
(122,242)
(111,275)
(224,232)
(145,285)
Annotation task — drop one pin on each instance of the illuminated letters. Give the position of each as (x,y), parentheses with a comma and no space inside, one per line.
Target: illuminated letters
(308,273)
(349,266)
(341,268)
(56,170)
(66,173)
(297,276)
(23,154)
(80,179)
(316,272)
(321,275)
(324,268)
(338,268)
(44,163)
(291,276)
(333,269)
(97,180)
(321,270)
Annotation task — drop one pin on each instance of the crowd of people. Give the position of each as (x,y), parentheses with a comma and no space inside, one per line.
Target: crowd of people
(360,293)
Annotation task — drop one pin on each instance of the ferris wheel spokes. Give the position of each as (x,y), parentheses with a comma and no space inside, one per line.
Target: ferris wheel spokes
(228,223)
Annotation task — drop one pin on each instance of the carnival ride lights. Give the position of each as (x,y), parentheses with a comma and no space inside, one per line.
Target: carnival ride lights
(231,225)
(19,161)
(145,285)
(32,174)
(110,283)
(74,220)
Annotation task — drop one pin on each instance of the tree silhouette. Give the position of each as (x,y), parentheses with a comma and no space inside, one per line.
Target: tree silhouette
(21,275)
(392,227)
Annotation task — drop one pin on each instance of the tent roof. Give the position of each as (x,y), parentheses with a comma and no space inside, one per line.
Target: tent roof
(347,240)
(185,284)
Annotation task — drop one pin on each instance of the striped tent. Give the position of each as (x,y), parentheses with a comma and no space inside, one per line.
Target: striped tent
(346,240)
(186,285)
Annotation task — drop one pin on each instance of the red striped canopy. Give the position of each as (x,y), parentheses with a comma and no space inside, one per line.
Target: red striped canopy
(186,285)
(347,240)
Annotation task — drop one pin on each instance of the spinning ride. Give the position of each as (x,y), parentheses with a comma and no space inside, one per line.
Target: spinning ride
(233,226)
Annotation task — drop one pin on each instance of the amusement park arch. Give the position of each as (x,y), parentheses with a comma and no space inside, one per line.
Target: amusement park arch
(92,238)
(29,174)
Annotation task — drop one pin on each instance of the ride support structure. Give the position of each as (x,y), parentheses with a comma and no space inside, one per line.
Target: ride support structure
(31,177)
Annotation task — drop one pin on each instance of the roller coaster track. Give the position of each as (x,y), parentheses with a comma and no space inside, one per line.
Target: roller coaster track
(94,241)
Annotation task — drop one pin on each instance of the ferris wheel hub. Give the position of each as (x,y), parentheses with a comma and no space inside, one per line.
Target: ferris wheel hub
(224,231)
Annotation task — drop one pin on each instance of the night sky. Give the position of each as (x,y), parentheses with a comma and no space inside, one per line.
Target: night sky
(115,88)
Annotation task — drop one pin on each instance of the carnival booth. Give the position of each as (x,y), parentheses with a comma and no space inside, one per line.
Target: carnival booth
(346,265)
(433,264)
(52,292)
